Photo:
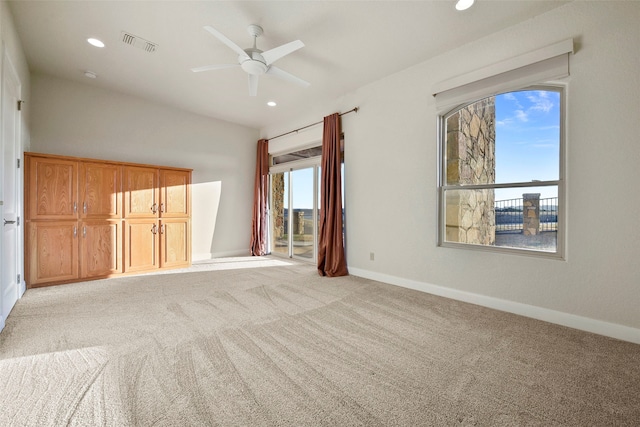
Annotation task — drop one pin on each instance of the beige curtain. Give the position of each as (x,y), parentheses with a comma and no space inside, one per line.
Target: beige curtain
(259,221)
(331,258)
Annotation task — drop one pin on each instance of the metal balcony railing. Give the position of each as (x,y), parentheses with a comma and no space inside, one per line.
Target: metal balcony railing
(509,215)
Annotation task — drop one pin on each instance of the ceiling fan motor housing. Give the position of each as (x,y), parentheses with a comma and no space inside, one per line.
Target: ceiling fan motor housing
(255,64)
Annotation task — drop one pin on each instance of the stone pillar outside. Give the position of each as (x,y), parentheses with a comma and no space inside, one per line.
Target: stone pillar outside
(471,134)
(298,222)
(277,198)
(530,214)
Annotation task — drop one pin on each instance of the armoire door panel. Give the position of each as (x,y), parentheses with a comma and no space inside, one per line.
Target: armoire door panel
(101,248)
(141,192)
(175,243)
(101,185)
(54,188)
(53,251)
(174,197)
(141,245)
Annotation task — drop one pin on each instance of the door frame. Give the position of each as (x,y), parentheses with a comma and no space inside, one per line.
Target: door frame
(10,76)
(312,162)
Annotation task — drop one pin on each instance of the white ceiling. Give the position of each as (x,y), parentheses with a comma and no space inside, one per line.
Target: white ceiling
(347,45)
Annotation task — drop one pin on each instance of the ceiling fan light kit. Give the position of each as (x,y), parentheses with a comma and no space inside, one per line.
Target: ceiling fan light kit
(254,61)
(255,65)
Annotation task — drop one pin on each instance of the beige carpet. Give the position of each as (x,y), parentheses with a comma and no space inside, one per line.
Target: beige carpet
(252,342)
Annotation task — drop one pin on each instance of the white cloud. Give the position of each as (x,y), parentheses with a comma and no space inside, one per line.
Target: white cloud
(540,101)
(511,97)
(521,115)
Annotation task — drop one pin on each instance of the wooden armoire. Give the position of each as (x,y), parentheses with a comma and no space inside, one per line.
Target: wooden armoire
(88,219)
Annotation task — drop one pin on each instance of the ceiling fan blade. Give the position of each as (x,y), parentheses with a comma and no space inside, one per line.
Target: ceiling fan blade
(272,55)
(281,74)
(237,49)
(253,85)
(214,67)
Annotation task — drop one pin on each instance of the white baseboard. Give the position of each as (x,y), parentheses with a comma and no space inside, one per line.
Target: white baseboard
(200,257)
(587,324)
(22,288)
(206,256)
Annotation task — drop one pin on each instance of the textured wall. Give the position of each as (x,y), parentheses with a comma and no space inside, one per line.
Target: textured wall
(277,205)
(471,159)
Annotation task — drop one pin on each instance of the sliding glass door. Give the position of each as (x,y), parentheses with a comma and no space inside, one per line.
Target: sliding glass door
(294,212)
(279,217)
(303,221)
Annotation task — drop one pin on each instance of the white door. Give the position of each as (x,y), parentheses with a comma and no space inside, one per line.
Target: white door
(9,186)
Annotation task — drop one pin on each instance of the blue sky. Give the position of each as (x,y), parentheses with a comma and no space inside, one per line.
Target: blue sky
(527,140)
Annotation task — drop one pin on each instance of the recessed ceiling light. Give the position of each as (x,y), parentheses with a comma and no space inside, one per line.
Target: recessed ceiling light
(95,42)
(464,4)
(271,104)
(90,74)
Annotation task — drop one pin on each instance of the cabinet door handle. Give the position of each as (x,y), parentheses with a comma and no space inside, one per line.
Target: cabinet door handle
(84,207)
(154,208)
(162,229)
(154,229)
(75,207)
(162,207)
(75,232)
(84,231)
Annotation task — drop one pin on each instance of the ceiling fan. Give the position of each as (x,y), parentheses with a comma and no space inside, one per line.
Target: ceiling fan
(254,61)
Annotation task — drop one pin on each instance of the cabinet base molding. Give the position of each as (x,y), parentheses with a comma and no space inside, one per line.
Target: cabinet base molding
(96,278)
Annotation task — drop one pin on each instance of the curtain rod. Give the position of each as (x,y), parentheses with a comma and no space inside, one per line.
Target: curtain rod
(353,110)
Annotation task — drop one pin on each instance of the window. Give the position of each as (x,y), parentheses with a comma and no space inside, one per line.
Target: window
(306,153)
(501,183)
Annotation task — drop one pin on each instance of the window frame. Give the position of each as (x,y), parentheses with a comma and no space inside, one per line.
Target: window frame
(442,186)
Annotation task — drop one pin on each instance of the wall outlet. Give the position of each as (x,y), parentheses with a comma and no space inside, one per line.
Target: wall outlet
(371,256)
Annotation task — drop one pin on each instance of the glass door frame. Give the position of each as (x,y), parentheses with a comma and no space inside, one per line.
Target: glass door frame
(313,162)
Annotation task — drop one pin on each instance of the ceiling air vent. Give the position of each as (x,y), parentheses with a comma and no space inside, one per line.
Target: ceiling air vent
(139,42)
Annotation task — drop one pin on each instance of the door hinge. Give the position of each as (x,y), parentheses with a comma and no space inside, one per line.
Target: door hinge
(20,104)
(18,219)
(18,163)
(18,278)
